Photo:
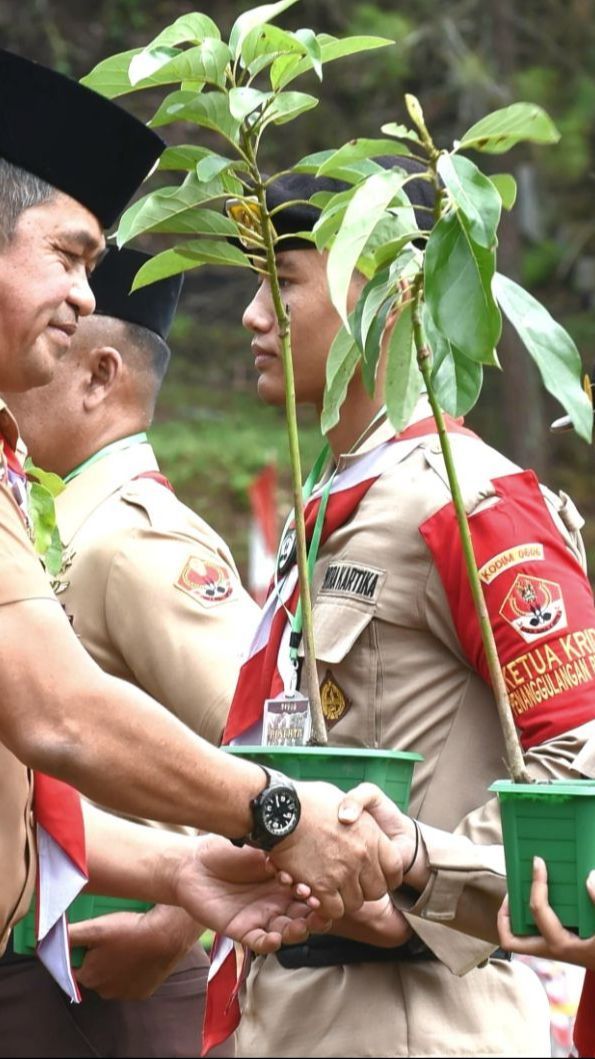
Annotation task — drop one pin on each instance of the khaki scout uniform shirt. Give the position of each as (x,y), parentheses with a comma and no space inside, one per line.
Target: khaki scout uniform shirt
(152,591)
(396,677)
(21,578)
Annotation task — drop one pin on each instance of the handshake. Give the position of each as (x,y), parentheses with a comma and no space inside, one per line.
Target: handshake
(335,871)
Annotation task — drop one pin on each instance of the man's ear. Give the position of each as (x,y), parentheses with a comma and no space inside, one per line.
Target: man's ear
(104,371)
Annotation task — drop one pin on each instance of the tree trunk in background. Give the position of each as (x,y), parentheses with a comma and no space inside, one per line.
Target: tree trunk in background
(521,396)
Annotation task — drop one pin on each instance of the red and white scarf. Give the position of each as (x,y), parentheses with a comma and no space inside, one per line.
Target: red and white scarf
(61,857)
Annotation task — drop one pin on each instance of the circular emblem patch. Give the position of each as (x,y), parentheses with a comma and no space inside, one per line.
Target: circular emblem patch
(287,553)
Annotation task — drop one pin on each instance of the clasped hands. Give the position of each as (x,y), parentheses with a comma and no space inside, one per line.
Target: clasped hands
(348,853)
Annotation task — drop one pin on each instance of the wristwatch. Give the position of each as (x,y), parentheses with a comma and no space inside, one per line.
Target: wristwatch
(275,812)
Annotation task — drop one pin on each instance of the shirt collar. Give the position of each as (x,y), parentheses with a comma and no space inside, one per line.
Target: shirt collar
(97,482)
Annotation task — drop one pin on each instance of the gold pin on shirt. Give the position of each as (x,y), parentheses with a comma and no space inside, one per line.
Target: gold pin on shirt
(335,704)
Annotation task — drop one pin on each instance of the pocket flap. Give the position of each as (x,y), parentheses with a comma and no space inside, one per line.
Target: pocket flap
(337,625)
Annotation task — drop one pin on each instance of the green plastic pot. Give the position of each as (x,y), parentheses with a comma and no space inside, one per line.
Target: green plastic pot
(391,770)
(85,906)
(555,821)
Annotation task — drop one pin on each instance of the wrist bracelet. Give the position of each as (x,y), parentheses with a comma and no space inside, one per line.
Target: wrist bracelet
(415,849)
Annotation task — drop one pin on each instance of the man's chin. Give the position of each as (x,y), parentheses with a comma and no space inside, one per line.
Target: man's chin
(270,391)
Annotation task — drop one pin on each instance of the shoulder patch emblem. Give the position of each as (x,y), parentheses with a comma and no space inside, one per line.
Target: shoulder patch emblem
(206,582)
(357,582)
(335,704)
(534,607)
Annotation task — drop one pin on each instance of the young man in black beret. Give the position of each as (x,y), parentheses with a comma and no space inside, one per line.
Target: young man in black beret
(71,160)
(401,666)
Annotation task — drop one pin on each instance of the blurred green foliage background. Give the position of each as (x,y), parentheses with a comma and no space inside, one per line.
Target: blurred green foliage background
(462,58)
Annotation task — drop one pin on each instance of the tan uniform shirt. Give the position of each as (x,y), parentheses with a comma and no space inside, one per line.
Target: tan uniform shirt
(396,676)
(21,578)
(152,590)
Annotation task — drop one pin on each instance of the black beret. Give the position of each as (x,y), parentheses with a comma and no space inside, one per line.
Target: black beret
(73,138)
(153,307)
(302,216)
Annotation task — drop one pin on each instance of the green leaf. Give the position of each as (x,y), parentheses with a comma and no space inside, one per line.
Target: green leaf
(403,378)
(473,195)
(43,516)
(401,132)
(373,345)
(361,148)
(205,63)
(50,481)
(53,556)
(457,380)
(192,28)
(354,172)
(264,43)
(185,157)
(288,67)
(390,251)
(286,106)
(457,282)
(365,209)
(505,185)
(244,101)
(210,110)
(331,218)
(552,349)
(110,77)
(341,363)
(188,256)
(371,298)
(255,17)
(212,165)
(167,209)
(502,129)
(310,41)
(311,163)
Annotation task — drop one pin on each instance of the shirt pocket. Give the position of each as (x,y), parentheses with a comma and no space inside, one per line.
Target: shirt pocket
(348,669)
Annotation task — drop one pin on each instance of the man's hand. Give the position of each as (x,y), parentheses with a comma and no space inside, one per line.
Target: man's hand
(375,923)
(344,866)
(407,842)
(236,892)
(129,953)
(555,943)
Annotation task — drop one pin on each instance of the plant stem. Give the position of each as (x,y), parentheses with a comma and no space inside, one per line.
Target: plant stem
(514,757)
(319,732)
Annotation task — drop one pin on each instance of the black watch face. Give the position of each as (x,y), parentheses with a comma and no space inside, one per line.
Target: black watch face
(280,812)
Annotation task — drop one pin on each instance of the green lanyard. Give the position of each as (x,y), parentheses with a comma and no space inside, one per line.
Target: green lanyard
(115,446)
(307,490)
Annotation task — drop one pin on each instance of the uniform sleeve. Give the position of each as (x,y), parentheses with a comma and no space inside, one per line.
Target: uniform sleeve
(541,608)
(180,618)
(21,573)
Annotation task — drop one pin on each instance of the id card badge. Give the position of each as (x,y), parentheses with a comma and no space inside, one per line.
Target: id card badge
(286,720)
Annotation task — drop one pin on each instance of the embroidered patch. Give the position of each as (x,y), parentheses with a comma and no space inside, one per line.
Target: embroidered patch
(512,557)
(206,582)
(547,671)
(335,704)
(345,579)
(534,607)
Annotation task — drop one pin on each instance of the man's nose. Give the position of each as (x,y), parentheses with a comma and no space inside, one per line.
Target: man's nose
(257,316)
(81,294)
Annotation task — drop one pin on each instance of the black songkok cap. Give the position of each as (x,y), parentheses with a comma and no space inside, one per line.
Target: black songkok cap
(73,138)
(302,216)
(153,307)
